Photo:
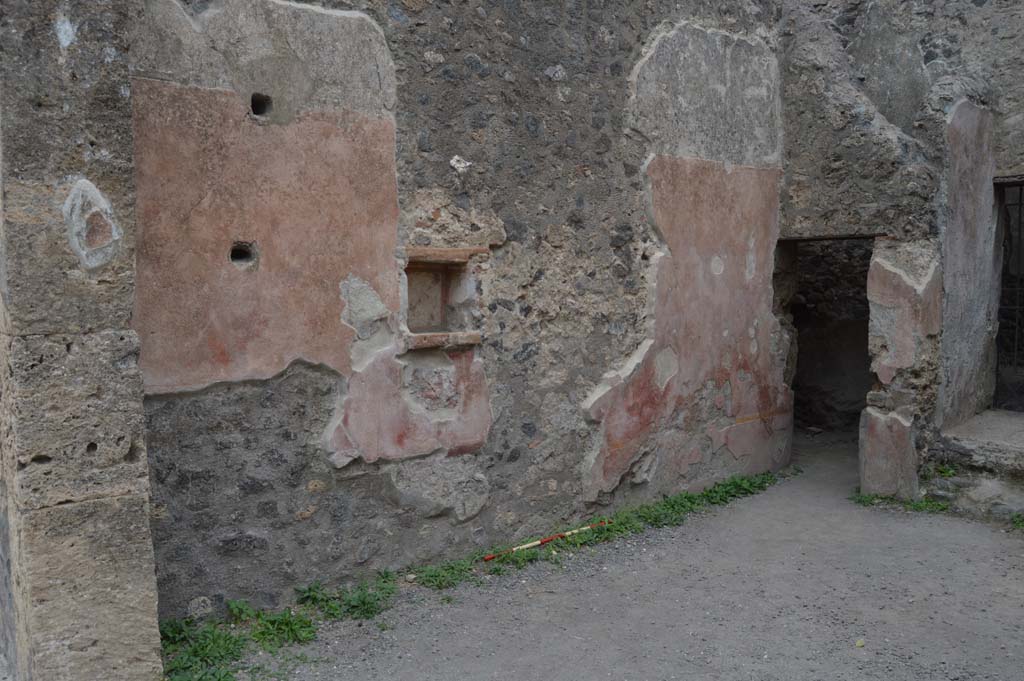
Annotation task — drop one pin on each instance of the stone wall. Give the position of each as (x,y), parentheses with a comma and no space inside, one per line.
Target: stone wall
(576,206)
(78,592)
(294,431)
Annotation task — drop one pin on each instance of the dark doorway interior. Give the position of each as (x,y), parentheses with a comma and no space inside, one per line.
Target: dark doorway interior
(830,313)
(1010,339)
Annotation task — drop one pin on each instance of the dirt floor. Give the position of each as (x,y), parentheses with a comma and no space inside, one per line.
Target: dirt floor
(781,586)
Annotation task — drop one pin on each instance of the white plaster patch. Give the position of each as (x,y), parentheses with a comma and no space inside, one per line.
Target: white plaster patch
(666,365)
(93,233)
(67,32)
(460,164)
(363,307)
(593,402)
(717,266)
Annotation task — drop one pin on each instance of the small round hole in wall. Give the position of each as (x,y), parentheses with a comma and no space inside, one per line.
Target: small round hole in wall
(243,254)
(261,104)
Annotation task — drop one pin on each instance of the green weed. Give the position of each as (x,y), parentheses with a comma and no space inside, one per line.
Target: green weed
(1017,521)
(867,499)
(240,611)
(362,602)
(446,575)
(273,630)
(917,506)
(212,651)
(670,511)
(926,506)
(206,653)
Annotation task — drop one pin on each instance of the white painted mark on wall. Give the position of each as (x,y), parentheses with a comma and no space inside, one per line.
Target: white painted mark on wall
(460,164)
(717,266)
(93,233)
(66,31)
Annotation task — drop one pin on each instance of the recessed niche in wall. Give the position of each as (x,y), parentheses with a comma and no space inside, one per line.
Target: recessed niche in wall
(440,296)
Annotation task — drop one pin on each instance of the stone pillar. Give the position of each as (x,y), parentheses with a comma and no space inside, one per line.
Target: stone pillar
(78,591)
(905,297)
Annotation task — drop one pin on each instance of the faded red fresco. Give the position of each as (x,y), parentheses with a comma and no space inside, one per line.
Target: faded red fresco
(713,313)
(316,197)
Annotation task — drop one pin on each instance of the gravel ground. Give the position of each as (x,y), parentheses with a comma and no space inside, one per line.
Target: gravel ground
(794,584)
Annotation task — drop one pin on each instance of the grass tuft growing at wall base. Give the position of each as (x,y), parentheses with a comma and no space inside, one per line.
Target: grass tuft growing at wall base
(668,512)
(213,651)
(917,506)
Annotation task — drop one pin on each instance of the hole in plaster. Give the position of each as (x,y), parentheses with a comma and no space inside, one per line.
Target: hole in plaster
(441,297)
(41,458)
(91,447)
(261,104)
(243,254)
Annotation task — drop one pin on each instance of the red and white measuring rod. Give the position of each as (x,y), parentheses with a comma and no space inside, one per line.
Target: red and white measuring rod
(545,540)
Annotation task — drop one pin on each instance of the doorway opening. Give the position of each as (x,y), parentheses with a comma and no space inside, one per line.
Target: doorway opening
(1009,394)
(829,314)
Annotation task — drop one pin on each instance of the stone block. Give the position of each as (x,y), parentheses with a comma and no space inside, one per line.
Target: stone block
(888,454)
(86,592)
(73,425)
(68,192)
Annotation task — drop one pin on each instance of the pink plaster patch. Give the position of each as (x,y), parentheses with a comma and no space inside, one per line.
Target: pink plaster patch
(381,420)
